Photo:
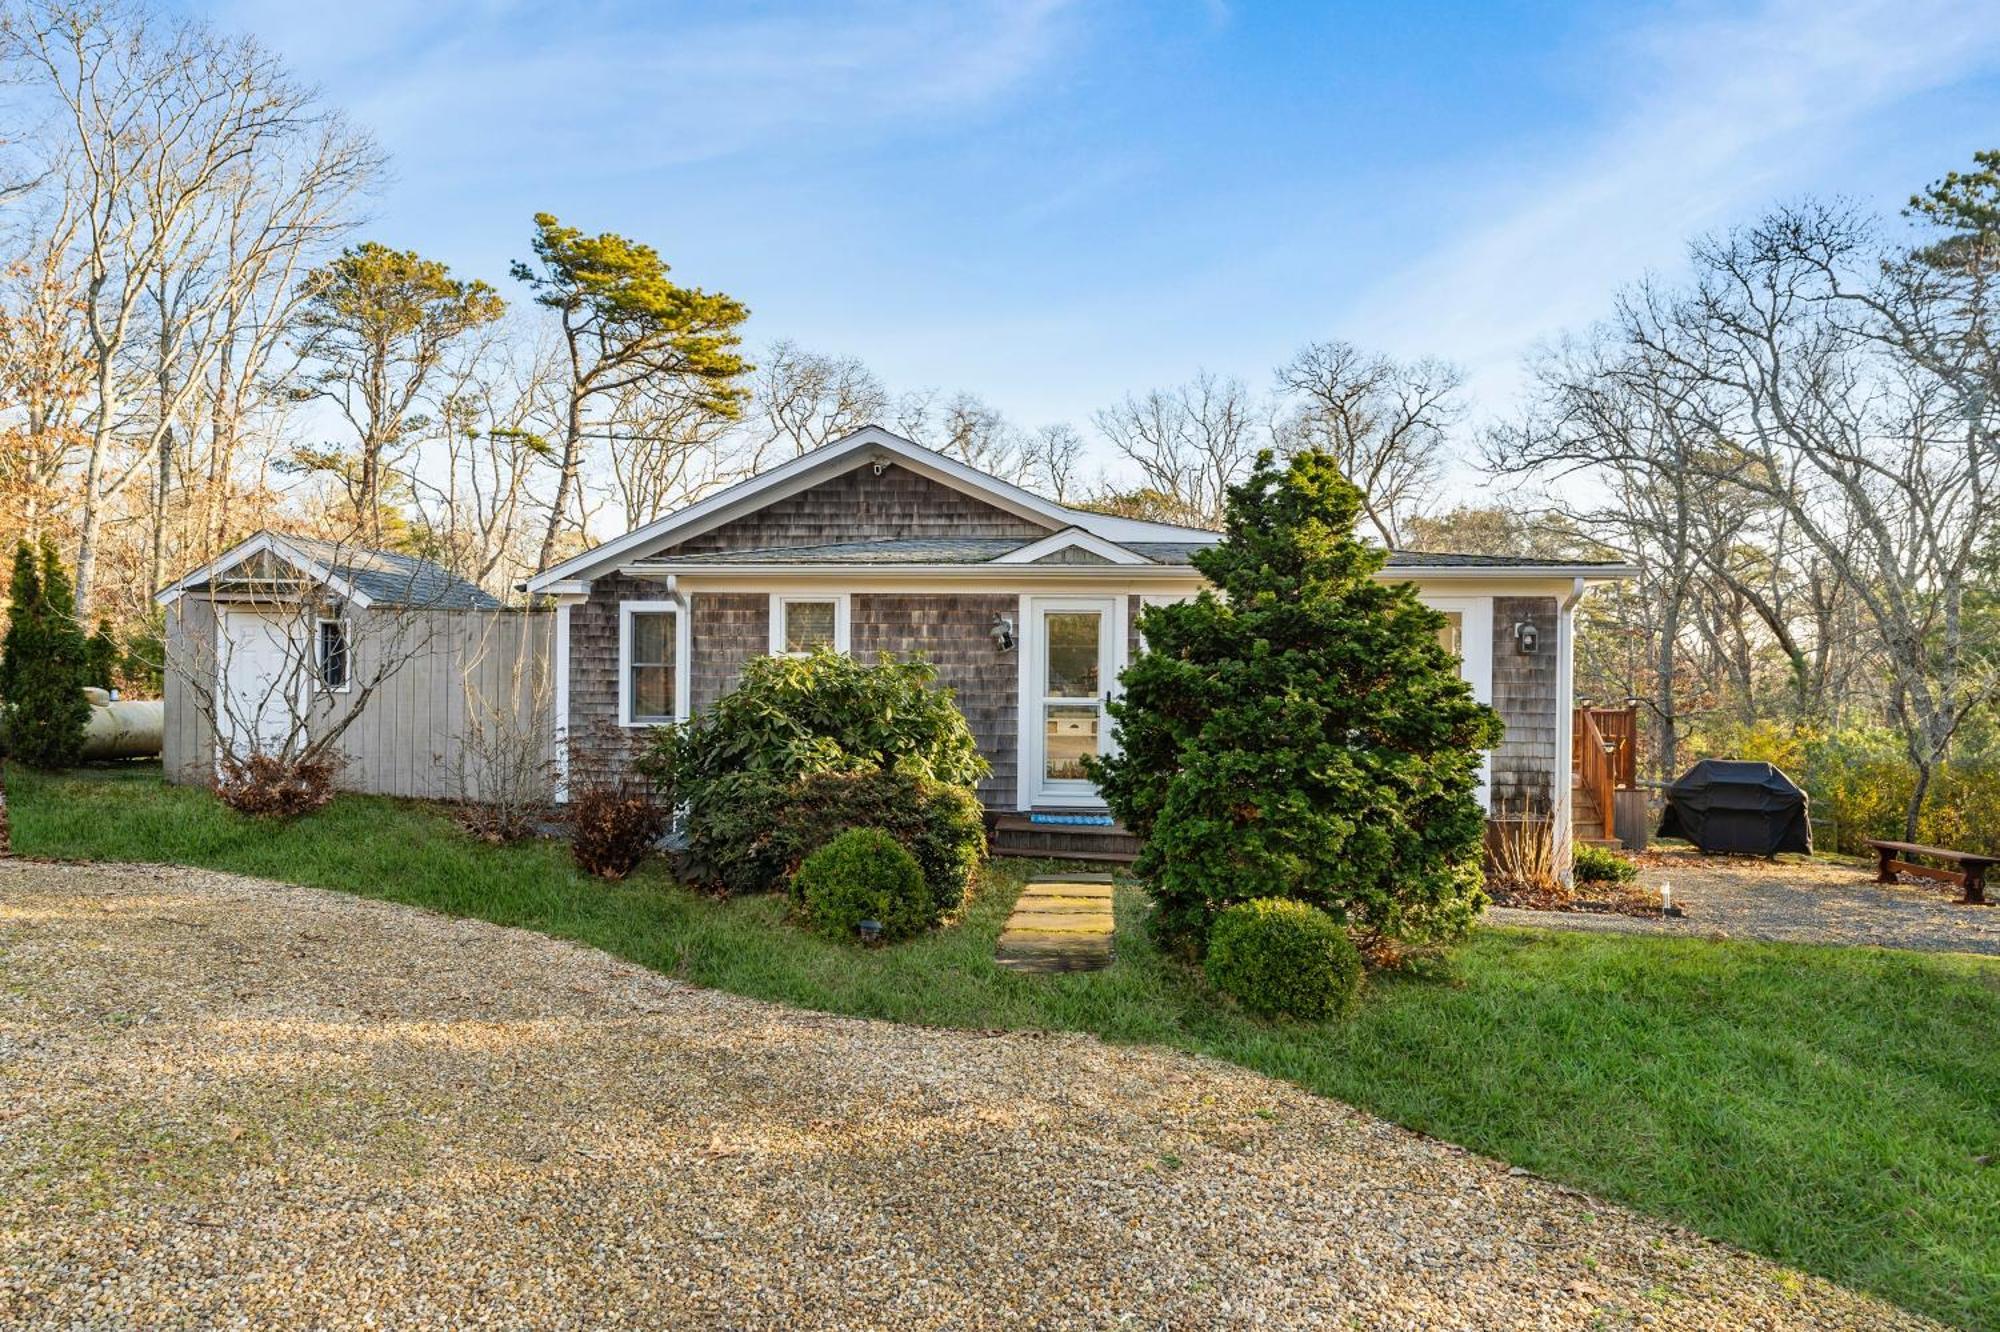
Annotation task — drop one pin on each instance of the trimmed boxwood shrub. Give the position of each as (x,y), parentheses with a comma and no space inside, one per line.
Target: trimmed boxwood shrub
(1596,864)
(940,824)
(1282,958)
(736,769)
(863,874)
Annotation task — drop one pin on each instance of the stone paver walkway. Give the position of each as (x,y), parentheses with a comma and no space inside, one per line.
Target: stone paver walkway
(1062,922)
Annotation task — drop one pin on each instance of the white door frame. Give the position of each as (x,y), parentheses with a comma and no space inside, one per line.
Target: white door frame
(1475,664)
(1031,789)
(278,626)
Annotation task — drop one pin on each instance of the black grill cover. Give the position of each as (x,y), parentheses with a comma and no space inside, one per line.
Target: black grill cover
(1731,805)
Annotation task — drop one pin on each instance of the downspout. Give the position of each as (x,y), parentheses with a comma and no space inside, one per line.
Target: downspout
(1565,722)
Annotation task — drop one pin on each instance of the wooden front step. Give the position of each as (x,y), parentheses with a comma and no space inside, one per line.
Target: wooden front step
(1020,836)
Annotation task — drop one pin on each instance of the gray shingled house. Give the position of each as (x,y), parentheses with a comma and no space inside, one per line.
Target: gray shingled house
(1028,608)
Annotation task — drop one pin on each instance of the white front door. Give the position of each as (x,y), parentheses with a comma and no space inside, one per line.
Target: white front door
(259,679)
(1069,666)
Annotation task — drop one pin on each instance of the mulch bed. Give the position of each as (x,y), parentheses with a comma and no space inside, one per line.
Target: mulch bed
(1607,899)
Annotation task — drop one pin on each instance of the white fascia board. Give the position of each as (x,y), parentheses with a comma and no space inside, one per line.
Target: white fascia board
(843,455)
(1069,537)
(858,573)
(1589,573)
(256,545)
(808,469)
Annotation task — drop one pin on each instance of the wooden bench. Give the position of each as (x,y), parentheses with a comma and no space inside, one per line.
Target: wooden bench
(1970,874)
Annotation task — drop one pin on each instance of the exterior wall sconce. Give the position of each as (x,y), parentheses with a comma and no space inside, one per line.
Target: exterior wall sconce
(1525,637)
(1003,632)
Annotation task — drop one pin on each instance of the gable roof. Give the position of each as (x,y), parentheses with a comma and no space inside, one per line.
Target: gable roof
(865,446)
(363,575)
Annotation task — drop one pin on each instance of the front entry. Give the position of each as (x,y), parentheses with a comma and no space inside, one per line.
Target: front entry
(1073,653)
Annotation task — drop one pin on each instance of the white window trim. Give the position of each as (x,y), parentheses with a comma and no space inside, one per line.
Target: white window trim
(843,616)
(626,610)
(346,686)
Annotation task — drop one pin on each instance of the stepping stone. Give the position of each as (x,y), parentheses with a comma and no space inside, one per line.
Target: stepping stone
(1060,924)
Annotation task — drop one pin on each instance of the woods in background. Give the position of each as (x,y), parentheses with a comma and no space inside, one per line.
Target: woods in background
(1794,441)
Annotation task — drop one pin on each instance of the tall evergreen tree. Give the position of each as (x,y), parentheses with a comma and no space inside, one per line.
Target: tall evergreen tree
(1303,733)
(44,663)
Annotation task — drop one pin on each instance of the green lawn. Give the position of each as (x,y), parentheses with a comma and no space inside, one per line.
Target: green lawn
(1837,1109)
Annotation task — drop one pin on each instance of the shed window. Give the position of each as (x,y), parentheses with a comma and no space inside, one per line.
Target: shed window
(801,624)
(330,653)
(650,666)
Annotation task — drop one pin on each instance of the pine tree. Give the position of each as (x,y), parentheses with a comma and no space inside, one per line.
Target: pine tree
(1304,734)
(44,663)
(101,657)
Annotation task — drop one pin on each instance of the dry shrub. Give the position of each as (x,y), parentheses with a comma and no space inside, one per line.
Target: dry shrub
(1524,857)
(611,828)
(272,787)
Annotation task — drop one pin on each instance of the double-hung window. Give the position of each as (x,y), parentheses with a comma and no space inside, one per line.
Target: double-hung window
(803,622)
(652,664)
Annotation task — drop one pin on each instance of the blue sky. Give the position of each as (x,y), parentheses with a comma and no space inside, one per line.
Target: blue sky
(1050,202)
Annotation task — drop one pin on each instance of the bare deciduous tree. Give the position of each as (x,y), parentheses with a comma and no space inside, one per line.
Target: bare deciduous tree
(1385,423)
(1190,443)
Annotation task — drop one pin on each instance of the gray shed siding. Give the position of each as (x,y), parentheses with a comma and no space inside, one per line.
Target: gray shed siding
(1524,693)
(460,676)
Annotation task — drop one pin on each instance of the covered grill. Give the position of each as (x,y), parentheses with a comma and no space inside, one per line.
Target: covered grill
(1740,807)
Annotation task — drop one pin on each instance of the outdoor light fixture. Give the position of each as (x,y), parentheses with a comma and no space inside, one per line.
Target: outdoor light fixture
(1003,632)
(1525,637)
(871,931)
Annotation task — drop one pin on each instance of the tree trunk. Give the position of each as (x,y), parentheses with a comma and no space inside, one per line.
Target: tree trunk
(93,486)
(565,483)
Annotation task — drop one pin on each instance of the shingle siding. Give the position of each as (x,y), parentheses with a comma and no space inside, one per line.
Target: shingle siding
(860,506)
(1524,692)
(729,629)
(955,634)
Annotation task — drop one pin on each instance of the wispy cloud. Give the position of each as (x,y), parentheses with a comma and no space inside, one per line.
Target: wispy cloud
(478,85)
(1715,117)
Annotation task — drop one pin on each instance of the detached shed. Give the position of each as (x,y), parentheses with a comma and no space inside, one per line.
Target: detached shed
(422,673)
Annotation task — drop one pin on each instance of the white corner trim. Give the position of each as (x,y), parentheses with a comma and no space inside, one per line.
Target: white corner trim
(559,705)
(626,610)
(843,616)
(1068,538)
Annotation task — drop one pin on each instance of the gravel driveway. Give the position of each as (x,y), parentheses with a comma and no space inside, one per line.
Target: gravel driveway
(1792,901)
(231,1102)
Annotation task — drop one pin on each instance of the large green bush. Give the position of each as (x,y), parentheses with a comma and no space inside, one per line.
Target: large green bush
(1304,734)
(1282,958)
(864,874)
(940,824)
(44,663)
(736,769)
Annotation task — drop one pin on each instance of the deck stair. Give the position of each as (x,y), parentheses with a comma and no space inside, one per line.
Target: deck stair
(1586,822)
(1018,835)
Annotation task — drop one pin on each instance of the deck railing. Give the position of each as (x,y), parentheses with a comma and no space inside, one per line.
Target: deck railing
(1604,752)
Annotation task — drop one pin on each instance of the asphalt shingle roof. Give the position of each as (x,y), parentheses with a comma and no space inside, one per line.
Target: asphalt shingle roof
(392,579)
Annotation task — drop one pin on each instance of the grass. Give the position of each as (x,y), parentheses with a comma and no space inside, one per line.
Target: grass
(1835,1109)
